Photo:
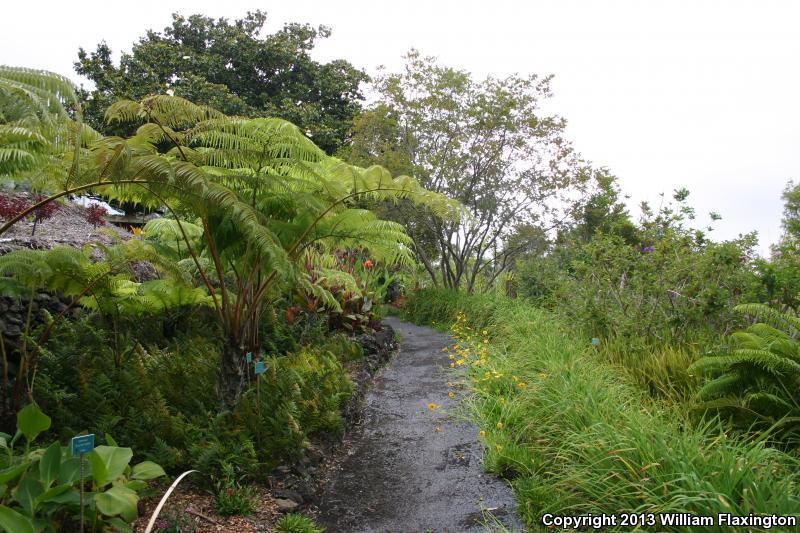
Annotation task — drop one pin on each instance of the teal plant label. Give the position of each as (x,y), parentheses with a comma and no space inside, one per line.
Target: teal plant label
(260,367)
(82,444)
(248,357)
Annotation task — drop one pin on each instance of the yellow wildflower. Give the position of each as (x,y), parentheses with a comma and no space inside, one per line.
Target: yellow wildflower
(499,425)
(481,433)
(437,429)
(451,394)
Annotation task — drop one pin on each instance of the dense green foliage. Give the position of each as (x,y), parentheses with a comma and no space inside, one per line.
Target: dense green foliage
(575,438)
(160,399)
(756,378)
(42,485)
(231,67)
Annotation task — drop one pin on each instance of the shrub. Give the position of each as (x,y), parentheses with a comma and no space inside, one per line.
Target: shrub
(676,291)
(96,215)
(43,212)
(11,206)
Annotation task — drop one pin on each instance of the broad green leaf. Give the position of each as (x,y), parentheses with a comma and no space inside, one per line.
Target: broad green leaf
(26,493)
(147,470)
(118,501)
(120,525)
(31,421)
(35,455)
(50,496)
(108,463)
(68,497)
(70,472)
(136,484)
(13,522)
(50,464)
(13,472)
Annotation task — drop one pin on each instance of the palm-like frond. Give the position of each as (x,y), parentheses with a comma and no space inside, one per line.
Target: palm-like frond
(756,379)
(40,121)
(26,93)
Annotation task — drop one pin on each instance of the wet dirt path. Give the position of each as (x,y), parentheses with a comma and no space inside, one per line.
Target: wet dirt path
(397,474)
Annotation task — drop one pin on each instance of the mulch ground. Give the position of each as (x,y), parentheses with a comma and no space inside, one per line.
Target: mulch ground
(197,506)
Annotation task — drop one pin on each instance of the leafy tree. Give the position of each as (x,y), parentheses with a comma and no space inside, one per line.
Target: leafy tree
(603,212)
(483,143)
(780,274)
(791,211)
(230,67)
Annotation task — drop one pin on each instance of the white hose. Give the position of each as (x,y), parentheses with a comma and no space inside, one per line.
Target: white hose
(153,518)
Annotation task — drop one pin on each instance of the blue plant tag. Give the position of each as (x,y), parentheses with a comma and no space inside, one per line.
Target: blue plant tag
(82,444)
(248,357)
(595,341)
(260,367)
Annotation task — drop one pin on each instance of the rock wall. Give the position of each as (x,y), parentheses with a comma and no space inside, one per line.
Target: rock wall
(14,315)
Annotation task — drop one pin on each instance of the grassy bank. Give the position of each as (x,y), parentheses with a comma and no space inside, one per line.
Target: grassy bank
(576,436)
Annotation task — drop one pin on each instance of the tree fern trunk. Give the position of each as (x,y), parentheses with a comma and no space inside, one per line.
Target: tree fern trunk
(231,378)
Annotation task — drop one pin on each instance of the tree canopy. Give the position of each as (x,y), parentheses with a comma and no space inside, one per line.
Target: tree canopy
(231,67)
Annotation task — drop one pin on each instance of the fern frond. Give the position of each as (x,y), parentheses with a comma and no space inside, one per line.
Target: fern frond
(722,386)
(770,316)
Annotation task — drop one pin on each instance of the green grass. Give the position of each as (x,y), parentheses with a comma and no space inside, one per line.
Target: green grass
(582,437)
(297,523)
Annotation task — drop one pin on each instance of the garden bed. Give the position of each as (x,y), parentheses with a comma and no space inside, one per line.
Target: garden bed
(290,487)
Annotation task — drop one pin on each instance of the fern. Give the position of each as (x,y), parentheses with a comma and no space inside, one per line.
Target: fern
(755,381)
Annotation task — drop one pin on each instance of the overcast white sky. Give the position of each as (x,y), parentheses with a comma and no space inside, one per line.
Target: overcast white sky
(696,94)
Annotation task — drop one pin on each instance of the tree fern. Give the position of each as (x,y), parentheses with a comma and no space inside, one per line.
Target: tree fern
(248,199)
(756,380)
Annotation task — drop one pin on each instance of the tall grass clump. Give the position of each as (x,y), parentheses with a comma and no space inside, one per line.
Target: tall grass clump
(574,435)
